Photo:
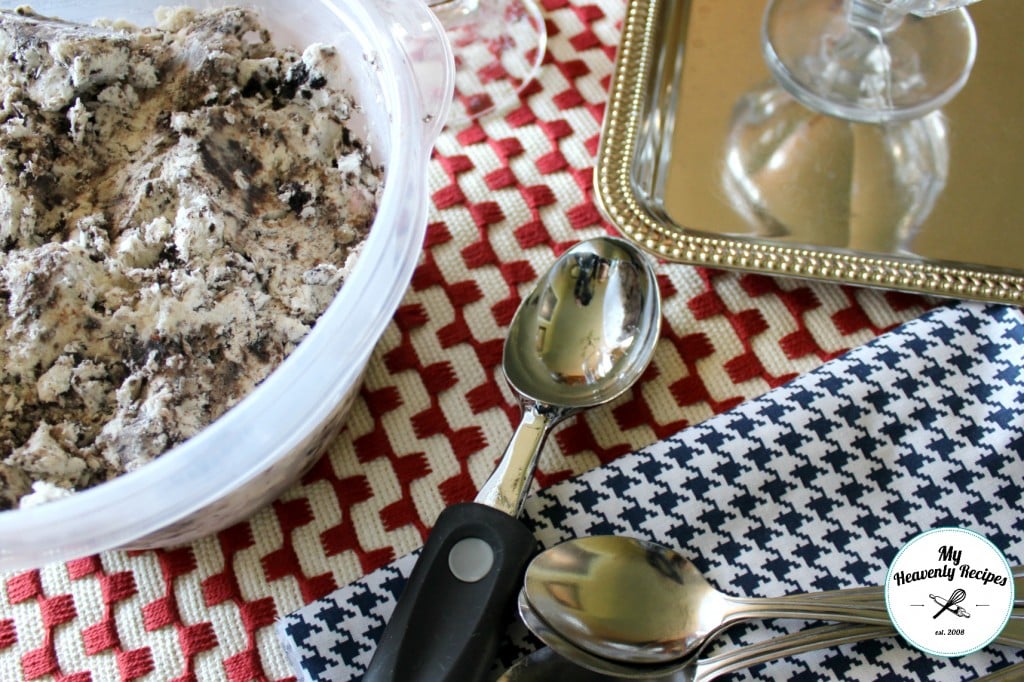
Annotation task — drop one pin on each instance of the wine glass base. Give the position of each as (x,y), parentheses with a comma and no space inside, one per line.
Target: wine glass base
(498,46)
(868,76)
(799,176)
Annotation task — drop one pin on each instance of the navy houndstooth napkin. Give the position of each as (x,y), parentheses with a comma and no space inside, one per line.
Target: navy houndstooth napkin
(815,485)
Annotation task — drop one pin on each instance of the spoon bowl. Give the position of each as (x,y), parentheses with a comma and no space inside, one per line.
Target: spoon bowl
(583,336)
(598,665)
(641,603)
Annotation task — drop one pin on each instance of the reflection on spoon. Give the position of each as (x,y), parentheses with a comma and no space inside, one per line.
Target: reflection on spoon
(582,338)
(637,602)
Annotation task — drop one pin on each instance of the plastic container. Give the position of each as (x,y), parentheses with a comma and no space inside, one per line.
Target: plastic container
(402,74)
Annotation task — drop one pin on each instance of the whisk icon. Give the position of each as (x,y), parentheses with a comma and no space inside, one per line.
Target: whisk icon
(951,604)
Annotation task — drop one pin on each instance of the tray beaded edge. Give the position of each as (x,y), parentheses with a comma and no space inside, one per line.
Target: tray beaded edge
(616,197)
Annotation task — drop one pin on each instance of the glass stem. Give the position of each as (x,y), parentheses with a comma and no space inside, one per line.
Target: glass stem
(452,8)
(872,16)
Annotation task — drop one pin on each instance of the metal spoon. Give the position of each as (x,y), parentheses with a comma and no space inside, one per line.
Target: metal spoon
(547,664)
(874,595)
(635,601)
(604,669)
(581,339)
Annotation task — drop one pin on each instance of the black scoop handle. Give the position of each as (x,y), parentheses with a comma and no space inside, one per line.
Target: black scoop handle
(459,600)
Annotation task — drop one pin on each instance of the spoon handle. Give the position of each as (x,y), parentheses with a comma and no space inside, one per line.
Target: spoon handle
(821,637)
(783,646)
(852,605)
(741,608)
(458,601)
(874,597)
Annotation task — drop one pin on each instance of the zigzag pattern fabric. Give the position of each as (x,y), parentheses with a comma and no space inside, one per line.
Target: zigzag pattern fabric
(813,486)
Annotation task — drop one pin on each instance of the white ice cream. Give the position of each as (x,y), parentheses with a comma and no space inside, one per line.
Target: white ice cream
(177,207)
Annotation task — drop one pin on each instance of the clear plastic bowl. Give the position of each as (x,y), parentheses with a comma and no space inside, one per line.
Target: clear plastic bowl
(402,75)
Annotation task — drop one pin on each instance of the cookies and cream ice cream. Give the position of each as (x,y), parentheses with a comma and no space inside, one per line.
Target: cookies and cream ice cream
(178,205)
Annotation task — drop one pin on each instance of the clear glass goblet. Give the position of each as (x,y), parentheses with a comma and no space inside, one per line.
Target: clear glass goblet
(498,47)
(871,61)
(800,176)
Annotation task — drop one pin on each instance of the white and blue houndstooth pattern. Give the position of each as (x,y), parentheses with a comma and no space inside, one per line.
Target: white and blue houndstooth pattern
(815,485)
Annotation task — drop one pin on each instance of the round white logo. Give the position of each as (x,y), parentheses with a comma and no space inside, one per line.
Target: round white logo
(949,592)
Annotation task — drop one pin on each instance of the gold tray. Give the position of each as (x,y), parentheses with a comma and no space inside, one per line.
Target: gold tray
(678,119)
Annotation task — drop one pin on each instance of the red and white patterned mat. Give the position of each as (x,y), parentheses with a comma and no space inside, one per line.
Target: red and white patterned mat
(508,195)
